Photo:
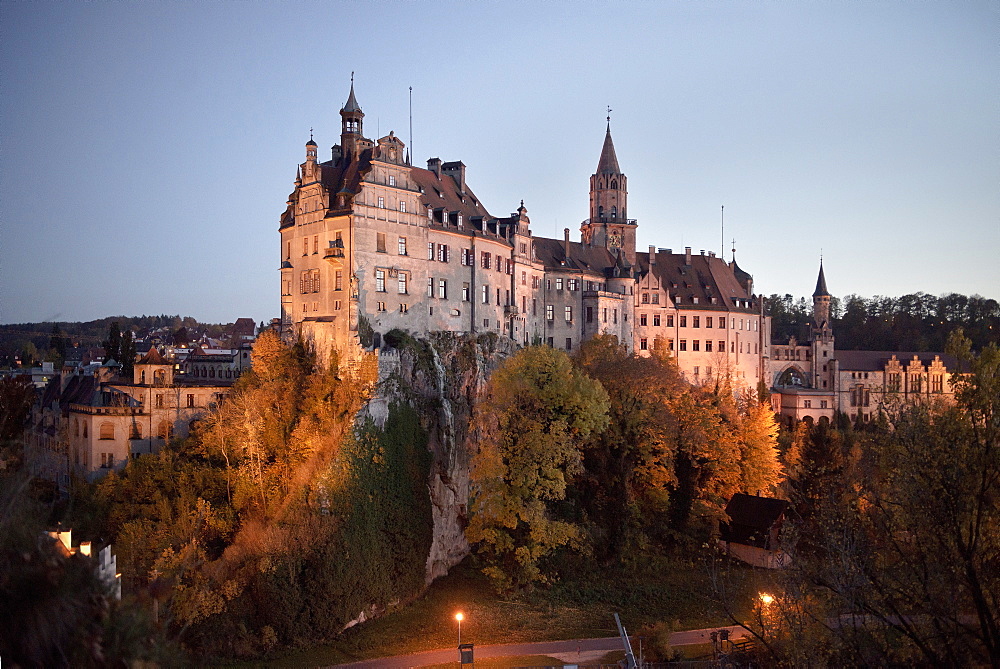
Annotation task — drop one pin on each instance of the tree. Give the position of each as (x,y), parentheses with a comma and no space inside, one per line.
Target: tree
(907,557)
(113,344)
(529,432)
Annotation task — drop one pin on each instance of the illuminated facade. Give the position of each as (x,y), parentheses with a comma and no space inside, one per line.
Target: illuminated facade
(371,243)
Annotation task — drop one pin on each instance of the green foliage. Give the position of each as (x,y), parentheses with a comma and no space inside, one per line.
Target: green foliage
(531,428)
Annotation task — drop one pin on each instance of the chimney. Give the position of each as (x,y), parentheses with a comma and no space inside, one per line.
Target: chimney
(566,243)
(687,255)
(652,256)
(703,251)
(456,170)
(434,165)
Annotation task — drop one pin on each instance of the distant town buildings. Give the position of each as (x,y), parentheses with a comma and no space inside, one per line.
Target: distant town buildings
(90,420)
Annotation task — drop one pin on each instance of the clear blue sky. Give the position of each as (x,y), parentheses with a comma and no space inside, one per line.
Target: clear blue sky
(147,148)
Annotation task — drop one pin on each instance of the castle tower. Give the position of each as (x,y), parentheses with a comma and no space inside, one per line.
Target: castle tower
(351,126)
(309,167)
(821,335)
(608,224)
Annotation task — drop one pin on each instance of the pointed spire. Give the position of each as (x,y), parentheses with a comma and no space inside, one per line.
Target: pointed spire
(609,161)
(352,102)
(821,290)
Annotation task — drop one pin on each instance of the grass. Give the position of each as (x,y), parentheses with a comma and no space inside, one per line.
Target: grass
(673,589)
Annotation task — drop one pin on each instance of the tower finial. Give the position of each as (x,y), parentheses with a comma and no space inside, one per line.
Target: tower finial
(609,118)
(352,77)
(310,134)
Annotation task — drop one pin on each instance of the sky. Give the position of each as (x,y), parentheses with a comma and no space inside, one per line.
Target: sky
(147,149)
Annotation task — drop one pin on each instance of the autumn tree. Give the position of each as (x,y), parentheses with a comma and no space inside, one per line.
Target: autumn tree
(908,557)
(529,436)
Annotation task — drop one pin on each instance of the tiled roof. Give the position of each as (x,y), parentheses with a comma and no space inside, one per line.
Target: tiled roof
(754,511)
(875,361)
(152,357)
(444,193)
(582,257)
(706,277)
(821,290)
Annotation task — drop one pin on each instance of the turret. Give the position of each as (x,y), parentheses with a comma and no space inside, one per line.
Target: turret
(821,302)
(351,125)
(608,224)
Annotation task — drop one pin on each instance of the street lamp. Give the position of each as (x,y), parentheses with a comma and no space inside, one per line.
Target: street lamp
(459,617)
(766,599)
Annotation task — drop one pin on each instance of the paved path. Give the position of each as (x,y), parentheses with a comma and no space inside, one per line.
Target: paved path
(582,650)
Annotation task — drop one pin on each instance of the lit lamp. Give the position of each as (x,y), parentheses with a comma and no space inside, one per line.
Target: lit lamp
(459,617)
(766,599)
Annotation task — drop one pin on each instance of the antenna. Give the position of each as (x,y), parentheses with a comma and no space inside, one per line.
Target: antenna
(723,240)
(411,125)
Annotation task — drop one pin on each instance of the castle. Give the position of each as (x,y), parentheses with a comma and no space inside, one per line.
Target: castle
(372,243)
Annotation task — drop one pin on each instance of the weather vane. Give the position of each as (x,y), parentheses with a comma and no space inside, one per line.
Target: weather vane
(310,134)
(609,113)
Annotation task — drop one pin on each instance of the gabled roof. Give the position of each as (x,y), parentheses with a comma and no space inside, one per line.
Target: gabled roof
(443,192)
(152,357)
(582,257)
(875,361)
(608,164)
(760,513)
(706,277)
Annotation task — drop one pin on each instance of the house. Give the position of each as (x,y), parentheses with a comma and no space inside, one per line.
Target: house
(752,533)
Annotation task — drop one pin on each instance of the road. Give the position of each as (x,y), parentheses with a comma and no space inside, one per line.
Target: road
(574,650)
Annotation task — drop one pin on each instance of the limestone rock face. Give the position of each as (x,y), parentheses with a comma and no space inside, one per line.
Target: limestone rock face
(442,377)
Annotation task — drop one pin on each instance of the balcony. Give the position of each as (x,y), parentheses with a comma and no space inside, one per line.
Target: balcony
(511,310)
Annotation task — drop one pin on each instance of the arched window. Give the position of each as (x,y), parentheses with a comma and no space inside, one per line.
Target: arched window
(142,376)
(164,430)
(614,212)
(84,430)
(159,376)
(211,372)
(614,184)
(107,431)
(600,212)
(76,427)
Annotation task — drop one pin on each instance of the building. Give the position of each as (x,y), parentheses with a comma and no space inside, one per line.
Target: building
(90,421)
(813,381)
(371,243)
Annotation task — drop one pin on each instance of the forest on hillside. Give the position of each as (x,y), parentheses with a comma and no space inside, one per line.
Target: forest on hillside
(32,343)
(916,322)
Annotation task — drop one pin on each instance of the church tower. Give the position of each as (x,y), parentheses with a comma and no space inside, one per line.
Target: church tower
(609,225)
(821,335)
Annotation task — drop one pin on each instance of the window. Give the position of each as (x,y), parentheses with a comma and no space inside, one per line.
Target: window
(401,283)
(550,312)
(380,281)
(486,294)
(430,250)
(498,297)
(535,282)
(288,250)
(684,345)
(467,258)
(569,343)
(823,404)
(524,278)
(380,242)
(656,298)
(403,308)
(443,253)
(392,180)
(732,347)
(569,314)
(305,246)
(604,315)
(656,320)
(614,315)
(670,320)
(443,289)
(159,402)
(695,345)
(487,259)
(430,286)
(708,321)
(499,263)
(937,383)
(643,344)
(380,306)
(402,246)
(684,321)
(338,281)
(894,382)
(708,345)
(807,404)
(670,344)
(722,322)
(697,321)
(572,284)
(316,244)
(190,400)
(465,291)
(381,202)
(645,298)
(642,320)
(696,370)
(524,248)
(550,342)
(590,314)
(107,431)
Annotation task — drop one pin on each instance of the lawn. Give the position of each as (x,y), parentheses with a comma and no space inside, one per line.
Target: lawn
(674,590)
